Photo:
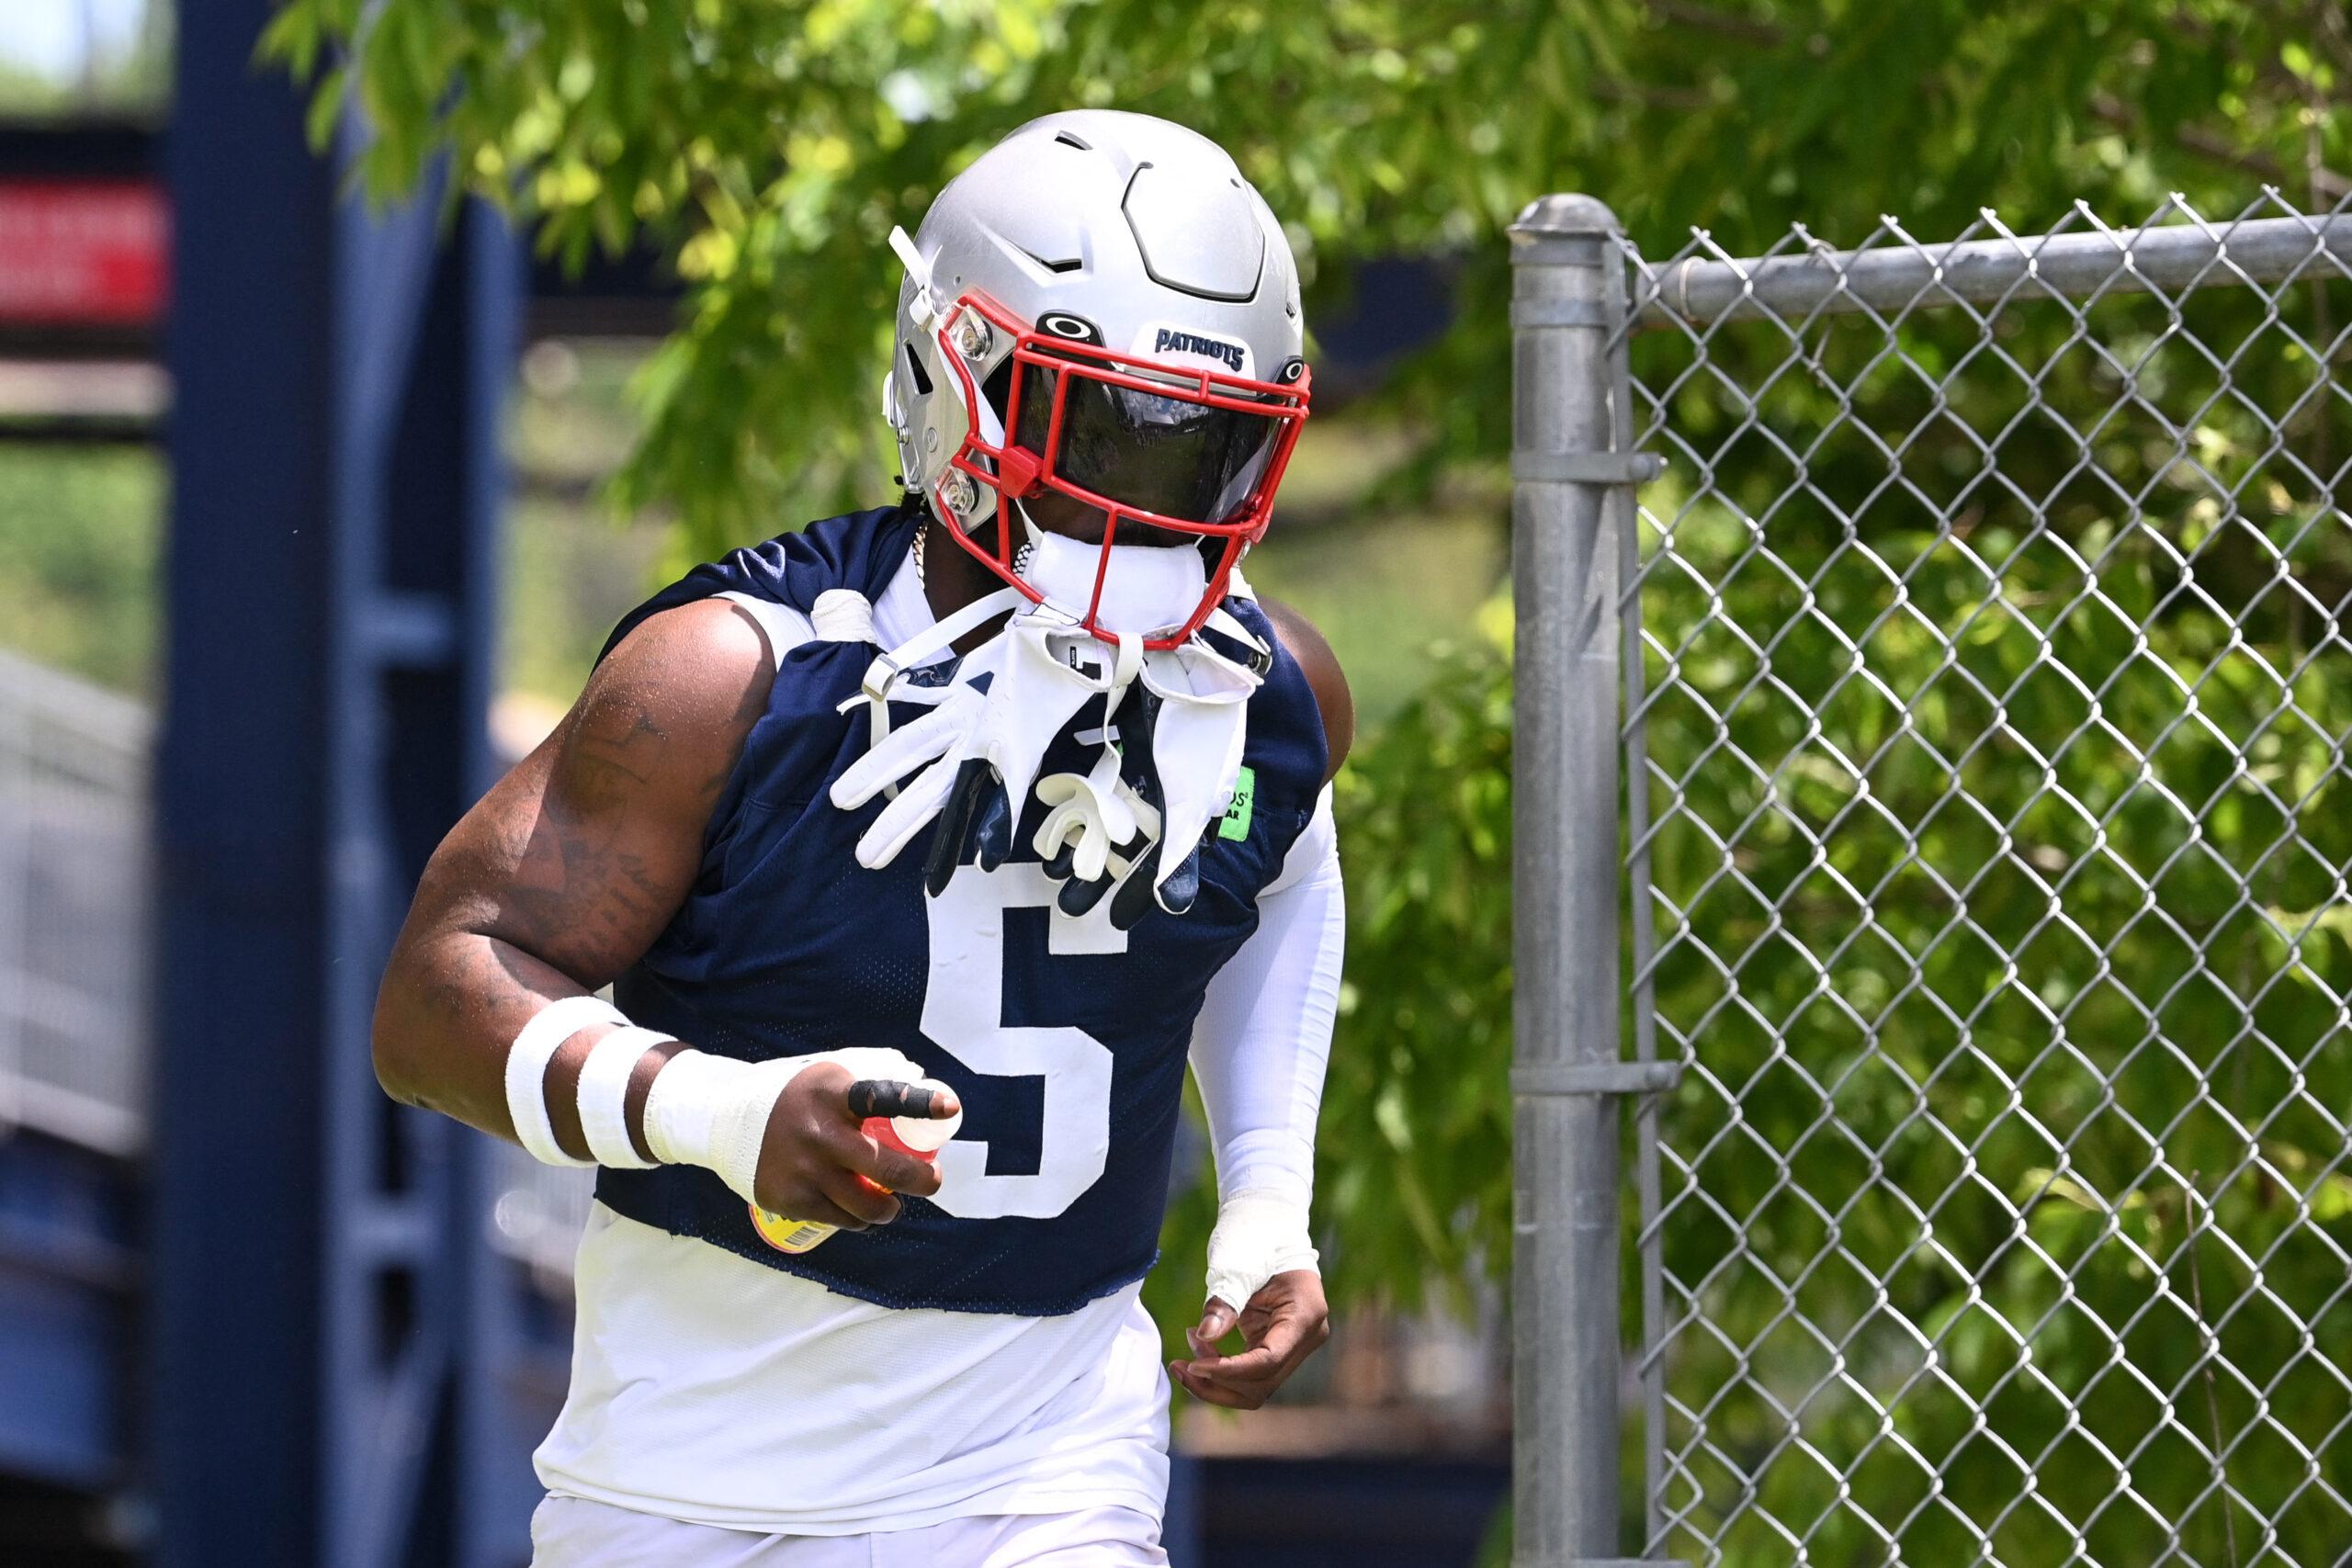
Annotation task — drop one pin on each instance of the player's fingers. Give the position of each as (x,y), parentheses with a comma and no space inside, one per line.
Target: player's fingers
(858,1155)
(817,1209)
(1271,1354)
(871,1205)
(823,1082)
(1209,1393)
(1257,1364)
(893,1097)
(1216,1322)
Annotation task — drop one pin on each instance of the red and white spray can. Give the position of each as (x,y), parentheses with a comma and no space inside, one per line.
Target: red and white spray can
(921,1137)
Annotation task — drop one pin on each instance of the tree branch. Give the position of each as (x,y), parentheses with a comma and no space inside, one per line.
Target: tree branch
(2213,146)
(1680,100)
(1706,19)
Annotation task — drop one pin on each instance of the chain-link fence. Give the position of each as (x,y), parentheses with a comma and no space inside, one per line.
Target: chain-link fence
(1985,695)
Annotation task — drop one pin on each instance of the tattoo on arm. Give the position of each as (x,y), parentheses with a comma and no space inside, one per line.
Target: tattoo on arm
(567,871)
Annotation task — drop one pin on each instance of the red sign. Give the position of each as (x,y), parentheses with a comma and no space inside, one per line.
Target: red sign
(82,252)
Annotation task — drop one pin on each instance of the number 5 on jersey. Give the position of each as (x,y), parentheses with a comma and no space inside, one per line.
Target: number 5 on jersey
(962,1013)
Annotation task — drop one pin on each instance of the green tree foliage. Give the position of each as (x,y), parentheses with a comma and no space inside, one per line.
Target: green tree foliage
(769,145)
(2048,913)
(80,532)
(1998,845)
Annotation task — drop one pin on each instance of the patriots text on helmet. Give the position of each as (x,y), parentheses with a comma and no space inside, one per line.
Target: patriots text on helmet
(1170,339)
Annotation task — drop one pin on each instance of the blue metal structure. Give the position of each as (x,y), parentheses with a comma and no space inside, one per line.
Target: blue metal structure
(337,1367)
(67,1273)
(332,1380)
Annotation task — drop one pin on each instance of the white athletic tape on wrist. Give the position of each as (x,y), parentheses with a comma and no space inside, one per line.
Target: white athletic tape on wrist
(1259,1233)
(535,1046)
(604,1095)
(713,1111)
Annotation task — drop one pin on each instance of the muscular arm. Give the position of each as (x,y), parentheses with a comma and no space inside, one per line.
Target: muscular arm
(564,874)
(1324,677)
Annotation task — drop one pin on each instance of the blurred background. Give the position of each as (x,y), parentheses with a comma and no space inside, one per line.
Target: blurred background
(359,365)
(86,511)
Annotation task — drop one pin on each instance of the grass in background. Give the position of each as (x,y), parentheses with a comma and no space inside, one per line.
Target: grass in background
(1382,582)
(81,532)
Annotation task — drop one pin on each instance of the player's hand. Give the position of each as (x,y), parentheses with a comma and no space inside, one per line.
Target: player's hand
(815,1162)
(1284,1323)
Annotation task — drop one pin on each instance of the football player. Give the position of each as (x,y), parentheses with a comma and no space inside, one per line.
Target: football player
(992,809)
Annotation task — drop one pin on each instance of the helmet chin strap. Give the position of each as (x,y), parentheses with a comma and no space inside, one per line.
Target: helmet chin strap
(925,309)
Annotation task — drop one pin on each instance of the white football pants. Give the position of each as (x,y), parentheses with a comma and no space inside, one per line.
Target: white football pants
(571,1532)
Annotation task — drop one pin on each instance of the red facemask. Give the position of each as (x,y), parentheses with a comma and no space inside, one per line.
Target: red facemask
(1148,444)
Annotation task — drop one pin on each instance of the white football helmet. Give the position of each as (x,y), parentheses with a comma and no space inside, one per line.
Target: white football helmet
(1100,306)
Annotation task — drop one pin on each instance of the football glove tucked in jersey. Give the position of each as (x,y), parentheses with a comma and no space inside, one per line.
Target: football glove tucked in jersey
(1097,833)
(1163,776)
(980,747)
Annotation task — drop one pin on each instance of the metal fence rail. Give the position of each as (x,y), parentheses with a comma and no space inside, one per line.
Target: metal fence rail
(1985,696)
(76,889)
(1700,290)
(74,909)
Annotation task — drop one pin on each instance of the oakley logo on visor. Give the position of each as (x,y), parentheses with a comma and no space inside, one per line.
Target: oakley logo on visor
(1181,344)
(1061,323)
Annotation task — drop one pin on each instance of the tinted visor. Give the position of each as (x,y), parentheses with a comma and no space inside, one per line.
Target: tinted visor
(1166,455)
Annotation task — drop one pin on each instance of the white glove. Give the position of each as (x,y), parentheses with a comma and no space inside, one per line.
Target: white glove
(1097,834)
(1011,698)
(1197,740)
(1259,1233)
(1184,766)
(1097,817)
(930,749)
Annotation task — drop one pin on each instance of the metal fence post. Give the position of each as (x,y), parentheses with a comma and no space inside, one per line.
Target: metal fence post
(1567,299)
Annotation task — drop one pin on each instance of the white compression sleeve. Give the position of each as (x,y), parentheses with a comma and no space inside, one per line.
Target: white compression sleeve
(1259,1053)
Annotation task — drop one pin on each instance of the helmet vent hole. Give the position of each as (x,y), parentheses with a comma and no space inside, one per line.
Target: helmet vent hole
(1067,139)
(914,368)
(1067,264)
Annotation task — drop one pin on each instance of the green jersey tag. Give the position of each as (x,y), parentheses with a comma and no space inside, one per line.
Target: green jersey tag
(1236,824)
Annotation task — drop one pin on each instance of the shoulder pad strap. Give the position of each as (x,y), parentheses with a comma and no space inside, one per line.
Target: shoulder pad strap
(785,627)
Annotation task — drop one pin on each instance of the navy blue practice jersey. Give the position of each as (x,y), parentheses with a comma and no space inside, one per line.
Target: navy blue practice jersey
(1065,1038)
